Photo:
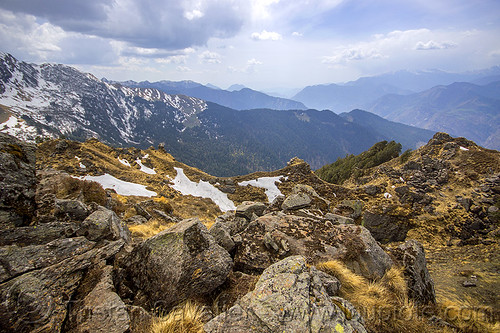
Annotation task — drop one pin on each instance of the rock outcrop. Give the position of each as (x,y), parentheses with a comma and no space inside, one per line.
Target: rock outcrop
(289,297)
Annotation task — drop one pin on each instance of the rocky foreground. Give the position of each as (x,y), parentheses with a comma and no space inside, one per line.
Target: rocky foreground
(68,262)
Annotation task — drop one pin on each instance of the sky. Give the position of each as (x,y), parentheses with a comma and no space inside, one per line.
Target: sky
(262,44)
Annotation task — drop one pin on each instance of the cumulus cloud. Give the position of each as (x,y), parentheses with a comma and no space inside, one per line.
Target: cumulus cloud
(432,45)
(297,34)
(266,35)
(253,62)
(210,57)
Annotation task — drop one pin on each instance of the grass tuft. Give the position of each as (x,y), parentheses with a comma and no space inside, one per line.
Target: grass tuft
(149,229)
(185,318)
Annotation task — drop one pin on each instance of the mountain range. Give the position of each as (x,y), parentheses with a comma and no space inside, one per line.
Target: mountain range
(237,97)
(461,109)
(56,100)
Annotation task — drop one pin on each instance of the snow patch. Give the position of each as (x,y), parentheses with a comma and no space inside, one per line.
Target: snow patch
(120,186)
(201,189)
(124,162)
(267,183)
(387,195)
(144,168)
(464,149)
(82,166)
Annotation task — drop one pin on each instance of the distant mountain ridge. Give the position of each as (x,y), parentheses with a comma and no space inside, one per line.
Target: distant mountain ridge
(236,97)
(360,93)
(461,109)
(37,101)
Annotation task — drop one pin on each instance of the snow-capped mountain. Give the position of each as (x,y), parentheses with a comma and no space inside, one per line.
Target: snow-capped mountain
(55,100)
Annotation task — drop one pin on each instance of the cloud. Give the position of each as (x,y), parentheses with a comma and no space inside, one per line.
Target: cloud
(432,45)
(183,69)
(210,57)
(253,62)
(297,34)
(266,35)
(165,24)
(353,54)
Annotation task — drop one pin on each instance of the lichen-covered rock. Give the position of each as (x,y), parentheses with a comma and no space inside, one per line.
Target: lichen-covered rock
(411,254)
(104,224)
(97,308)
(38,234)
(17,182)
(289,297)
(273,237)
(176,264)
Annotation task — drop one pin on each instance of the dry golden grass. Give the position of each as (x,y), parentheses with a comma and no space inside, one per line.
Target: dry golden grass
(469,317)
(185,318)
(383,304)
(149,229)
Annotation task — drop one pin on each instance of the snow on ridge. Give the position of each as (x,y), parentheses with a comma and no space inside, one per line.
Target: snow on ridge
(464,149)
(267,183)
(201,189)
(120,186)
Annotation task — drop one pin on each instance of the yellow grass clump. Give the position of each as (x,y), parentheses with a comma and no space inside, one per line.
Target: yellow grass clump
(383,304)
(469,317)
(185,318)
(149,229)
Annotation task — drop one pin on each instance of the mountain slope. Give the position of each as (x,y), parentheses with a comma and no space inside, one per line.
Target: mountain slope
(240,99)
(461,109)
(56,100)
(410,137)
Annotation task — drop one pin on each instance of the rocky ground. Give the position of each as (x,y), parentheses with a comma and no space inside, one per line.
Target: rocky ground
(69,261)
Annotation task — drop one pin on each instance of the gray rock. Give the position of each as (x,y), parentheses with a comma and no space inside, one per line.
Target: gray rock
(38,300)
(104,224)
(386,228)
(338,219)
(176,264)
(235,224)
(73,210)
(411,254)
(17,182)
(296,201)
(371,189)
(101,309)
(220,232)
(248,208)
(272,237)
(140,319)
(289,297)
(16,260)
(136,219)
(38,234)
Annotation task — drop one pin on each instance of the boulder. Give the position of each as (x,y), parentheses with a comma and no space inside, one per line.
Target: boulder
(296,201)
(411,255)
(338,219)
(273,237)
(37,301)
(179,263)
(235,224)
(73,210)
(220,232)
(386,228)
(104,224)
(17,182)
(38,234)
(289,297)
(248,208)
(97,307)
